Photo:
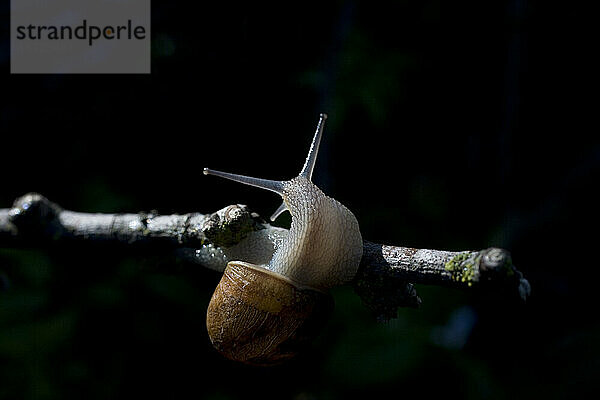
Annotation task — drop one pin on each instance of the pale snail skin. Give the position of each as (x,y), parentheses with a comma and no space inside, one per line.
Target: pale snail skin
(322,249)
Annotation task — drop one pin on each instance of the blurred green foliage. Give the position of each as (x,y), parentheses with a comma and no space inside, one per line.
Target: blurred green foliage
(452,126)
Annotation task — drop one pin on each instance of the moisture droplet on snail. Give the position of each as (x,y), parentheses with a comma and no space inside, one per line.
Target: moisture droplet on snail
(266,314)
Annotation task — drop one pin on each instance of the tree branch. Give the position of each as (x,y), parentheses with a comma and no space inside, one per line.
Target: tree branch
(212,240)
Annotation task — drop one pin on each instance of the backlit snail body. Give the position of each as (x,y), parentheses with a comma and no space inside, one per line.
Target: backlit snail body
(264,314)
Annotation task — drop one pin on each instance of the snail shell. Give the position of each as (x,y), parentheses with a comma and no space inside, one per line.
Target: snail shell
(259,317)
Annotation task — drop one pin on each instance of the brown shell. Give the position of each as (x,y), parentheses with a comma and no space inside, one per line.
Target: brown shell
(259,317)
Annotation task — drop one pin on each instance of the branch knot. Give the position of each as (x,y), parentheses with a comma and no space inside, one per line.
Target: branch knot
(33,214)
(230,225)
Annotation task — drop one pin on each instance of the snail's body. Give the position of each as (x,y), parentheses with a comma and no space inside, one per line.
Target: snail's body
(324,238)
(263,314)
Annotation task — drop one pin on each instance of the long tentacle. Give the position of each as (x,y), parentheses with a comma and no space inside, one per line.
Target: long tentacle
(274,186)
(311,159)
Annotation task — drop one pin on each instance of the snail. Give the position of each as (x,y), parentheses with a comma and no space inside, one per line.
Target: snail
(266,314)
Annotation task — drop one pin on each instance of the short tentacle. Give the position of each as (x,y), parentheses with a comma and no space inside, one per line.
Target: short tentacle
(281,209)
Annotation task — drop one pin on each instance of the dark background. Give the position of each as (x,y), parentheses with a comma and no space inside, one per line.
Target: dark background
(453,125)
